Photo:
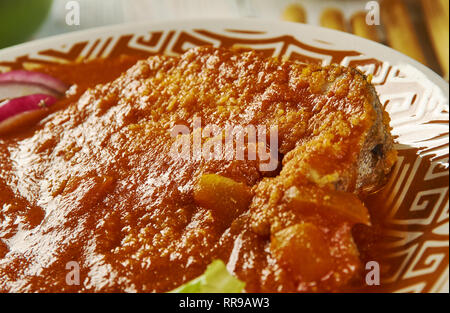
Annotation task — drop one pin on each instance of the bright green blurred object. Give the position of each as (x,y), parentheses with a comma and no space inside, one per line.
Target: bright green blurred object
(216,279)
(19,19)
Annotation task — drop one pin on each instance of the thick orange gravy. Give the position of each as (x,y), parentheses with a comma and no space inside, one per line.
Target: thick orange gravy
(124,235)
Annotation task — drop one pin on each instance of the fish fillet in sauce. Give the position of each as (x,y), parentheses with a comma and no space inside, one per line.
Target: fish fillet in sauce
(95,183)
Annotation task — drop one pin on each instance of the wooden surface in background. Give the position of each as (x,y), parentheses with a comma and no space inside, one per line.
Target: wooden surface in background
(402,27)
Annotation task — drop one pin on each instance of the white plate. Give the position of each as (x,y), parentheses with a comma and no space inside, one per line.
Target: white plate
(416,198)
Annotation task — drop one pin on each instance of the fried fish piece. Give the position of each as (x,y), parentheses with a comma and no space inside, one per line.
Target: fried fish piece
(137,219)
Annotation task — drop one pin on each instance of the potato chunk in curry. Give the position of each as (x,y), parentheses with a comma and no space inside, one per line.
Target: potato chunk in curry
(304,250)
(328,202)
(224,196)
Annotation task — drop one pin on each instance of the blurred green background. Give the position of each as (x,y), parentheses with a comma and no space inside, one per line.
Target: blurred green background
(20,18)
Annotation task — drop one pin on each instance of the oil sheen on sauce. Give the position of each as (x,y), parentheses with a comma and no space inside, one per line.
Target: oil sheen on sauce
(85,232)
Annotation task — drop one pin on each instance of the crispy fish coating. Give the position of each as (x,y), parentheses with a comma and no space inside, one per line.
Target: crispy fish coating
(103,190)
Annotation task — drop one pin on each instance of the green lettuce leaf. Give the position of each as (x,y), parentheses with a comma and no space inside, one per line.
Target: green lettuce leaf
(216,279)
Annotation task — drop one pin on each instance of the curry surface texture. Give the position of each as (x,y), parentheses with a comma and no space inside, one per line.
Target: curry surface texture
(94,182)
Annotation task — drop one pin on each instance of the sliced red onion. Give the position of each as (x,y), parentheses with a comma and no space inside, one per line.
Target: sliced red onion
(29,77)
(17,111)
(14,90)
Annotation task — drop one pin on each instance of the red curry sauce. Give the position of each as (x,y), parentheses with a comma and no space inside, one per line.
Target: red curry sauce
(92,183)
